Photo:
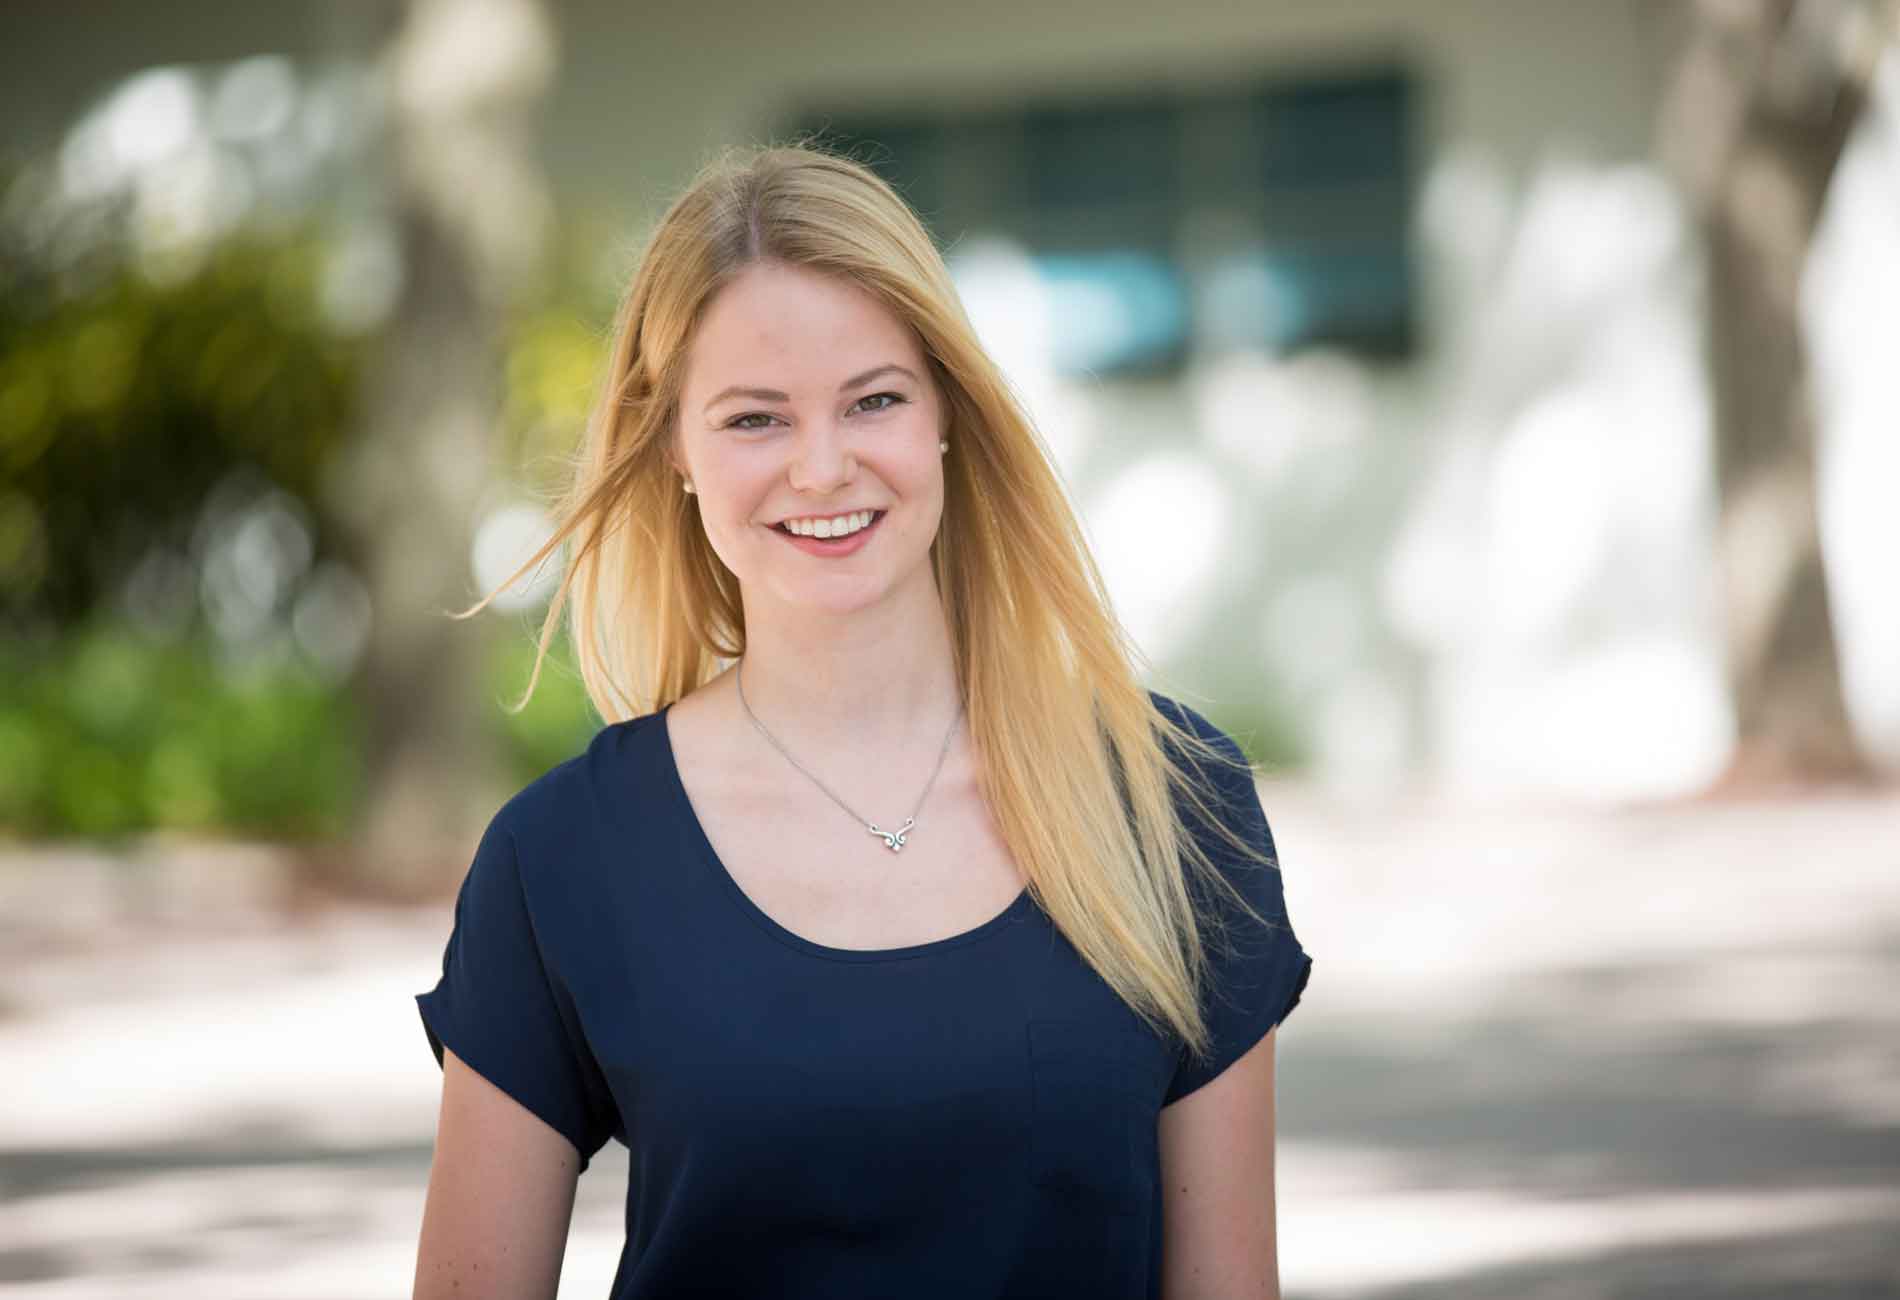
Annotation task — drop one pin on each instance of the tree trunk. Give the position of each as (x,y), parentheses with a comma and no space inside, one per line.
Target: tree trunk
(469,214)
(1760,108)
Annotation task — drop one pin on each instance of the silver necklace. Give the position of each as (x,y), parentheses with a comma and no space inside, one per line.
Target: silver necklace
(893,840)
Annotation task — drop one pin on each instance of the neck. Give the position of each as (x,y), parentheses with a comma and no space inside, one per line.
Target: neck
(879,681)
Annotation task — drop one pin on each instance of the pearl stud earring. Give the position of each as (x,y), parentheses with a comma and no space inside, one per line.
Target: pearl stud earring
(943,446)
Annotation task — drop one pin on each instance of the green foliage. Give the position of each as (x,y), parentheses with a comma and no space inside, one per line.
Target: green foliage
(103,733)
(143,402)
(123,402)
(559,719)
(1267,731)
(557,352)
(126,403)
(1251,705)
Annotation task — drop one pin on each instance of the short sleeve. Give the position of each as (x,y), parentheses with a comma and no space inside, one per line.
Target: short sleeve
(1256,973)
(498,1007)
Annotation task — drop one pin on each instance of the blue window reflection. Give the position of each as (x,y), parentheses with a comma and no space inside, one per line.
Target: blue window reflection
(1114,312)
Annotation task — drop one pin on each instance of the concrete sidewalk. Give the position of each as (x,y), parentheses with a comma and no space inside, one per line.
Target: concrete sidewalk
(1545,1054)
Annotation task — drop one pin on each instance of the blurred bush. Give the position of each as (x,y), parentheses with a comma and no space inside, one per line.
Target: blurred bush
(104,733)
(558,721)
(124,402)
(180,613)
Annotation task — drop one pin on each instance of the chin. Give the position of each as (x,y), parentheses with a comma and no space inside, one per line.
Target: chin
(842,594)
(833,599)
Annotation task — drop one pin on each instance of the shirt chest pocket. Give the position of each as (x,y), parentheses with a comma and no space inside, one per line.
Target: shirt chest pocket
(1093,1114)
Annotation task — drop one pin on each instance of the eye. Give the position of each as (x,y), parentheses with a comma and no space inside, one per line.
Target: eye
(739,421)
(896,400)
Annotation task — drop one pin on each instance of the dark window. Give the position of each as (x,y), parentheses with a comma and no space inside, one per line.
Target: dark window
(1269,215)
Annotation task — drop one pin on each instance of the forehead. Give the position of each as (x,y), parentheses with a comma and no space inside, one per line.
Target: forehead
(772,319)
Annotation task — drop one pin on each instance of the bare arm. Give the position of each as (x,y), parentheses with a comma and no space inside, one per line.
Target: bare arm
(1218,1235)
(500,1199)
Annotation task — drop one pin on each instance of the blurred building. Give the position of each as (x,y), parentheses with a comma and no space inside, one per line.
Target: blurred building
(1366,334)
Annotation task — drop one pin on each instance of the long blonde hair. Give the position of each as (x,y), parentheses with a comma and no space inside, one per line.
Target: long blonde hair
(1069,742)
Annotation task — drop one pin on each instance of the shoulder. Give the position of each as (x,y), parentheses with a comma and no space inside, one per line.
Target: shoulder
(582,802)
(1192,721)
(1218,797)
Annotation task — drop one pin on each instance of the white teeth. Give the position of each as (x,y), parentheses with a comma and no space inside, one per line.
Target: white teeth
(843,526)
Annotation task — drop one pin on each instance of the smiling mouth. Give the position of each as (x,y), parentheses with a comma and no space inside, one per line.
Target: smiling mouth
(784,527)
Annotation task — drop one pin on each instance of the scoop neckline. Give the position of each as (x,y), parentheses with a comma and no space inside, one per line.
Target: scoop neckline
(709,857)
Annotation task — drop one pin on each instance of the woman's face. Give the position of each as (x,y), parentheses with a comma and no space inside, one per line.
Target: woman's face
(805,399)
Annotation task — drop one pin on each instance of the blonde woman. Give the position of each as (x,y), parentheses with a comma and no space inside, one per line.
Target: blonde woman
(912,946)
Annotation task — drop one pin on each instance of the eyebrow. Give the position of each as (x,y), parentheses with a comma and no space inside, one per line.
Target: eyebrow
(774,395)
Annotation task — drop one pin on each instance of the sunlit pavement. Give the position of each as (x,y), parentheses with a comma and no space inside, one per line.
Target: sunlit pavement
(1543,1054)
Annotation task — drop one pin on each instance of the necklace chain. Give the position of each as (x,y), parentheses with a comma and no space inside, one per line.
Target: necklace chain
(893,840)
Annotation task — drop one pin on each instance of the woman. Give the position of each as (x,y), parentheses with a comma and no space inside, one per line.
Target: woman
(911,945)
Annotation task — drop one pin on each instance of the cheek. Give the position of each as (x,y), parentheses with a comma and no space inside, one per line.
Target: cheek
(916,478)
(738,524)
(728,502)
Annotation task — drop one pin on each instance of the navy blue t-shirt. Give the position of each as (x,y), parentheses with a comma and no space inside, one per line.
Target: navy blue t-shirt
(970,1117)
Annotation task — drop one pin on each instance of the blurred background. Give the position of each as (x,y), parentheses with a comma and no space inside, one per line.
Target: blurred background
(1487,410)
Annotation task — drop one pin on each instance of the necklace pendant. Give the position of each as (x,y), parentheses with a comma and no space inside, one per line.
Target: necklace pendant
(893,840)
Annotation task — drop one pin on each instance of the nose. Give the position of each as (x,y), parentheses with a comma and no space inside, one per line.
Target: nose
(821,461)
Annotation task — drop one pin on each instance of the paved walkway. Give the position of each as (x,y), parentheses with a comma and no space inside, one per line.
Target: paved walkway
(1544,1054)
